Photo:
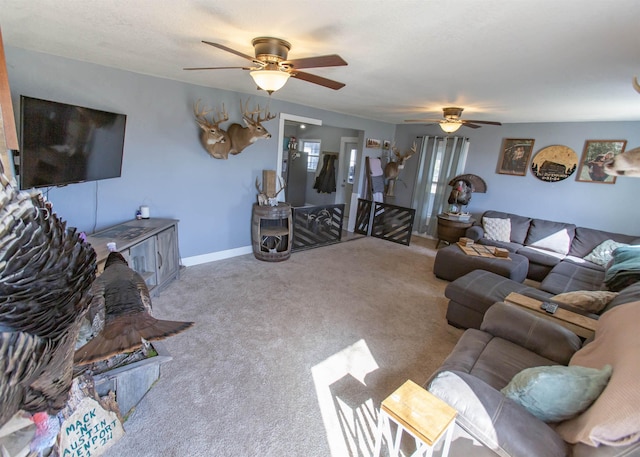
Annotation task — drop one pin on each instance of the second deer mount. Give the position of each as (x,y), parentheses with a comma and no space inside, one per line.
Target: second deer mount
(219,143)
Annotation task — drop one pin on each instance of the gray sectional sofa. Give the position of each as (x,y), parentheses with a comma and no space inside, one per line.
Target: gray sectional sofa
(548,244)
(472,294)
(511,340)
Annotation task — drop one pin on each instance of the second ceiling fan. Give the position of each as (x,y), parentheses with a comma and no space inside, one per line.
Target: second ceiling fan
(452,121)
(272,68)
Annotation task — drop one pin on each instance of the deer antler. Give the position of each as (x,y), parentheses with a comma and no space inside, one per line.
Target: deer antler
(201,116)
(250,114)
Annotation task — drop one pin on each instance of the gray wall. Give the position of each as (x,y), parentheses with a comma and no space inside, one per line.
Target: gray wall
(611,207)
(164,166)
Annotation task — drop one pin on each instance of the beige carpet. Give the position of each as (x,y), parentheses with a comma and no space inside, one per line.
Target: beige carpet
(292,358)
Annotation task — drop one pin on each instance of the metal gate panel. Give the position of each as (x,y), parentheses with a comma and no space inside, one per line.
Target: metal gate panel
(315,226)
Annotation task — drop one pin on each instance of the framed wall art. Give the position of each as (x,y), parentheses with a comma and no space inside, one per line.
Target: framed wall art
(596,153)
(514,156)
(373,143)
(554,163)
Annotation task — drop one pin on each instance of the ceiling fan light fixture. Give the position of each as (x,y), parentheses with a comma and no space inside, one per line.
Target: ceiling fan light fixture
(450,126)
(270,80)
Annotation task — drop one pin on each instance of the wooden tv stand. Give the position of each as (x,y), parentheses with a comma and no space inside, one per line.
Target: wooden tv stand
(149,245)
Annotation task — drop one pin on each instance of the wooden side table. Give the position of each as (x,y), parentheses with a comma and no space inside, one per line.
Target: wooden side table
(583,326)
(451,229)
(419,413)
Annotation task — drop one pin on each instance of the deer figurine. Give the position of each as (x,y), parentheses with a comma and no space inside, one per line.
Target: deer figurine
(392,169)
(241,137)
(214,139)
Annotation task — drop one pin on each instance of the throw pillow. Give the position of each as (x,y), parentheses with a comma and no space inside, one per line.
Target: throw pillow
(602,253)
(592,301)
(497,229)
(614,418)
(556,393)
(559,241)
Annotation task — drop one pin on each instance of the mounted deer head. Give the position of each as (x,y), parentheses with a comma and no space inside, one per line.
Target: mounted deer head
(214,139)
(636,84)
(392,169)
(241,137)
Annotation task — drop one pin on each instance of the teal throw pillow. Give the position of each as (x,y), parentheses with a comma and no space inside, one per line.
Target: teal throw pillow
(556,393)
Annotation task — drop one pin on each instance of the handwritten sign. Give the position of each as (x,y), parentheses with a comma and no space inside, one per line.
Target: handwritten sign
(89,431)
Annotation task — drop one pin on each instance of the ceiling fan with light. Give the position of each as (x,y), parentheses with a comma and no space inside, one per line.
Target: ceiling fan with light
(452,121)
(272,69)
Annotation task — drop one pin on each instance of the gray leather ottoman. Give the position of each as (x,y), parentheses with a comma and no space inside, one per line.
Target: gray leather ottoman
(451,263)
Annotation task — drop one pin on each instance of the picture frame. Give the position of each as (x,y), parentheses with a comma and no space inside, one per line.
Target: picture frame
(515,155)
(594,156)
(386,145)
(372,143)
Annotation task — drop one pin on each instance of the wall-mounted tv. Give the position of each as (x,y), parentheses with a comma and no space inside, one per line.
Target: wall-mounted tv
(62,144)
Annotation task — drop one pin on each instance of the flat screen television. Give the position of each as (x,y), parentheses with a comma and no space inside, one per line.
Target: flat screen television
(63,144)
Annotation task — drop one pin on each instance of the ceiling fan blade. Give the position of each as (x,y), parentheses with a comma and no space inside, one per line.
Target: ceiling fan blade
(469,124)
(232,51)
(315,79)
(332,60)
(429,121)
(482,122)
(219,68)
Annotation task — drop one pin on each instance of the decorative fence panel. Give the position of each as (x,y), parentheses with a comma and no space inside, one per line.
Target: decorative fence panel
(363,216)
(315,226)
(382,220)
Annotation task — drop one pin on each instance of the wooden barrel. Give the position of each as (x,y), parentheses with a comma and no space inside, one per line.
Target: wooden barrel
(271,232)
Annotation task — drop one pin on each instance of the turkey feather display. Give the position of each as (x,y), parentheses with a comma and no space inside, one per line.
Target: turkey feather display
(121,314)
(46,271)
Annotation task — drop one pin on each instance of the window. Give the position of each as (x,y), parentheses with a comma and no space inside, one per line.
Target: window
(312,149)
(352,165)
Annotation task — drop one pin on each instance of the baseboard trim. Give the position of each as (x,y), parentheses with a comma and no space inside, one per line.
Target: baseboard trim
(214,256)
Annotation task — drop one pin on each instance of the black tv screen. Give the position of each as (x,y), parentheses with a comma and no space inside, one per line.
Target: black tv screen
(63,144)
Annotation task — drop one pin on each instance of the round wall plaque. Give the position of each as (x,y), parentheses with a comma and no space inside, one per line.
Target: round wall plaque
(554,163)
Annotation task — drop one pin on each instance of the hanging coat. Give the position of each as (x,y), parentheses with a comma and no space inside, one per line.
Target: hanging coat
(326,180)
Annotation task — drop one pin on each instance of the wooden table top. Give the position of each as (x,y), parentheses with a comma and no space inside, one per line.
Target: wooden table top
(419,411)
(581,325)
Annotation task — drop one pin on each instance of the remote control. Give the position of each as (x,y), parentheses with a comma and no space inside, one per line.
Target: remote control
(551,308)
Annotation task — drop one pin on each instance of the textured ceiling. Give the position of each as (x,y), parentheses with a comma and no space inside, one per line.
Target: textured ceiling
(504,60)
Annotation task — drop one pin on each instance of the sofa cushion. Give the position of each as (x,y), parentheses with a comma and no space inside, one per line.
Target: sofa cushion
(519,224)
(591,301)
(532,332)
(494,360)
(480,289)
(541,256)
(603,253)
(497,229)
(614,418)
(567,277)
(496,421)
(586,239)
(553,236)
(557,393)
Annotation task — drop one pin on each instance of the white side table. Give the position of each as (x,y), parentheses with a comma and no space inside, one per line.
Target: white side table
(419,413)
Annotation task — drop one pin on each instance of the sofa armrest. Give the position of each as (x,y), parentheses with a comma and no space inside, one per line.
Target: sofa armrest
(545,338)
(496,421)
(475,232)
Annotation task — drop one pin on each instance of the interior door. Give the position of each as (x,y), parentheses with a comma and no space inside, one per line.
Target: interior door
(347,172)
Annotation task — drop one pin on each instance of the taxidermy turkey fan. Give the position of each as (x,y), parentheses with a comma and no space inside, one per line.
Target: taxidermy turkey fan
(452,121)
(270,62)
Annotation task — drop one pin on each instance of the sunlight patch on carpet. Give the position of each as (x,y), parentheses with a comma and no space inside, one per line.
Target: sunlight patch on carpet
(346,404)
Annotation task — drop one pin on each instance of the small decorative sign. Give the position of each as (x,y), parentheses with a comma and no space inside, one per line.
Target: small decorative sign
(89,431)
(554,163)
